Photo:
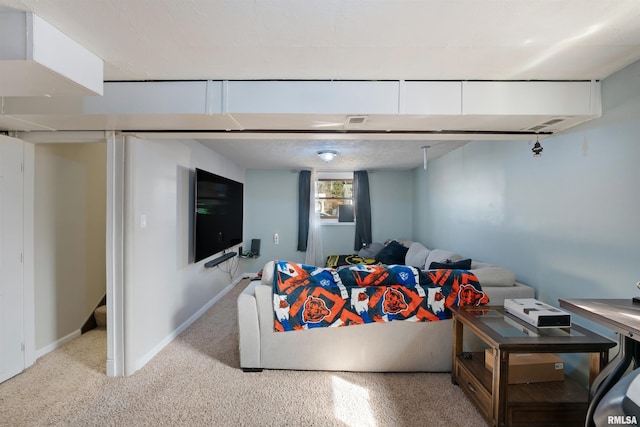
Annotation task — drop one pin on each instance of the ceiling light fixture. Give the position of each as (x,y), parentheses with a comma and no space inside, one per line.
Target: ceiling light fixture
(537,148)
(327,155)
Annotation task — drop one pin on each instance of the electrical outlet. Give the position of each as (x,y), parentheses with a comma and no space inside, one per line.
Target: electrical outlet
(276,238)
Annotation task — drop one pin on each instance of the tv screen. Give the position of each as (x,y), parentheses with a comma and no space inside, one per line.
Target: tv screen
(218,216)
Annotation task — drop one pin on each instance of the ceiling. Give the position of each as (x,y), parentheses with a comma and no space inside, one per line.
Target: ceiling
(333,40)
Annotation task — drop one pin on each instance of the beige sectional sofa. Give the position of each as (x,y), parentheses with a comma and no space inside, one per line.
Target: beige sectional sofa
(380,347)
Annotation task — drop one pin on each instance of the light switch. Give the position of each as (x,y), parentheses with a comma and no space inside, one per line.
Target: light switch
(276,238)
(143,221)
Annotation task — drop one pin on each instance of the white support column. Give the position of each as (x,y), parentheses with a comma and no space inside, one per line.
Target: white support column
(115,255)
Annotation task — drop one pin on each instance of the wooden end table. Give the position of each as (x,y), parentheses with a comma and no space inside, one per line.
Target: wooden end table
(538,403)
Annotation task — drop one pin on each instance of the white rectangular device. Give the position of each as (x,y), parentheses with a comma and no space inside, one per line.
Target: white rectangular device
(537,313)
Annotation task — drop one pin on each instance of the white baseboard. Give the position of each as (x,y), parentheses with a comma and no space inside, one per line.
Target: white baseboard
(111,369)
(154,351)
(44,350)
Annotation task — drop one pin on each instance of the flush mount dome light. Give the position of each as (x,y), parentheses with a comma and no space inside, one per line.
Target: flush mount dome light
(327,155)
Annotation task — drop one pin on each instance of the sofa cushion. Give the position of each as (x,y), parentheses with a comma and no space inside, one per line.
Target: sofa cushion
(440,255)
(492,275)
(461,264)
(371,251)
(416,255)
(393,253)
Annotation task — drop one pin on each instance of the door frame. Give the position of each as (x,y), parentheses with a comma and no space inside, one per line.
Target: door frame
(18,257)
(114,250)
(28,259)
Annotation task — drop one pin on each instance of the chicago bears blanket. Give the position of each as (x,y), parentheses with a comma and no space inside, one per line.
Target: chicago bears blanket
(306,296)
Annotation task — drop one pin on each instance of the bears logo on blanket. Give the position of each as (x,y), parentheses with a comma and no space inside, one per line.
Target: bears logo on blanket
(306,296)
(315,310)
(468,295)
(393,302)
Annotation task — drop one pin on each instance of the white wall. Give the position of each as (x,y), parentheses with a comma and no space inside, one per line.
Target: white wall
(69,226)
(164,290)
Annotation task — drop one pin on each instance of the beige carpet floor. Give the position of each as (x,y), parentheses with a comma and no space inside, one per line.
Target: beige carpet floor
(196,381)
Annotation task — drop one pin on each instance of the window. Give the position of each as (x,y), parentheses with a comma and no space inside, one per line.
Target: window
(331,193)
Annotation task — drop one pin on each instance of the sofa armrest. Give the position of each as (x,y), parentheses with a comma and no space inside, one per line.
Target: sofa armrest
(249,328)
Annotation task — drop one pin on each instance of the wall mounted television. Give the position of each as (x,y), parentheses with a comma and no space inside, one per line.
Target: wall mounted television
(218,214)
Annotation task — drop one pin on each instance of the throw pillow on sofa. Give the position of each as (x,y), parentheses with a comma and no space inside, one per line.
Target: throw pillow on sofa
(371,250)
(393,253)
(463,264)
(403,242)
(417,255)
(440,255)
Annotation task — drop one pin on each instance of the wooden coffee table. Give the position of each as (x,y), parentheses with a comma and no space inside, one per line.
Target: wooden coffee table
(537,403)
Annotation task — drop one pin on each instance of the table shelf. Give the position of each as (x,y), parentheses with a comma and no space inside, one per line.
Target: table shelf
(569,390)
(557,403)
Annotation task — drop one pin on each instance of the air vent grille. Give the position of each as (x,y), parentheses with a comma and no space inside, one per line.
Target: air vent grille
(545,124)
(355,121)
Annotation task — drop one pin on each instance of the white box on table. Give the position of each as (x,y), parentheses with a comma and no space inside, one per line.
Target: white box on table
(537,313)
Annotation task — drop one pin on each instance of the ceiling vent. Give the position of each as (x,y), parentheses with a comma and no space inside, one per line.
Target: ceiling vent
(354,122)
(552,122)
(545,124)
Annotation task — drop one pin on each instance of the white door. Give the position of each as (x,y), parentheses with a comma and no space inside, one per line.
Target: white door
(11,249)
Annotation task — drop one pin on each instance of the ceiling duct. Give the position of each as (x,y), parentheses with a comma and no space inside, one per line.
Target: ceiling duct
(36,59)
(470,109)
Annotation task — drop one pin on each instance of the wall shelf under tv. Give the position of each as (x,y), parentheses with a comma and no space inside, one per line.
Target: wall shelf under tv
(220,259)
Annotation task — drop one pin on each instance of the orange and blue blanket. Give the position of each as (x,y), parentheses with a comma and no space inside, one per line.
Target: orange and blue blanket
(306,296)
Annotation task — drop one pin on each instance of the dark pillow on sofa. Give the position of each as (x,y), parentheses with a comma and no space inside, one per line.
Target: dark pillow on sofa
(393,253)
(371,251)
(463,264)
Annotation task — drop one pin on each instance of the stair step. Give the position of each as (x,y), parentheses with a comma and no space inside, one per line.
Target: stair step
(100,314)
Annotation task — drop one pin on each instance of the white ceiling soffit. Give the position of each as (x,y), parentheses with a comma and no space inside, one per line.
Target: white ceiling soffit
(38,60)
(338,107)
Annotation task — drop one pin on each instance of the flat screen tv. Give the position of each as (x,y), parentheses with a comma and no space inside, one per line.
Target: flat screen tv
(218,214)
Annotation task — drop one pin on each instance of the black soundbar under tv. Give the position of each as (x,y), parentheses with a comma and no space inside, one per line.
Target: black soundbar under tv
(220,259)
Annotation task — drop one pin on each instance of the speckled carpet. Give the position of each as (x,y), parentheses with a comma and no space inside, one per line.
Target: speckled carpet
(196,381)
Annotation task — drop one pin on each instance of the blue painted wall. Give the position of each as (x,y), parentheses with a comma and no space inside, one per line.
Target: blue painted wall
(270,206)
(567,223)
(391,204)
